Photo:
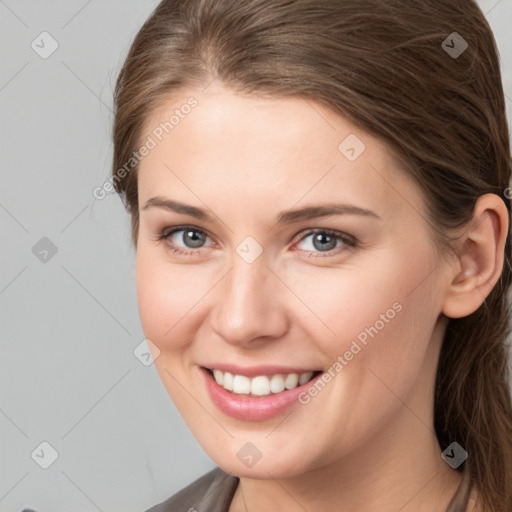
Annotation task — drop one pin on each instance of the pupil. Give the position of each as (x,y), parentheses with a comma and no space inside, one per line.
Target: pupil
(321,238)
(196,240)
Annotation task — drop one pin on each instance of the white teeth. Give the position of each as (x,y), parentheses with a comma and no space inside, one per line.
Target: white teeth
(291,381)
(261,385)
(218,376)
(241,384)
(304,377)
(227,381)
(277,384)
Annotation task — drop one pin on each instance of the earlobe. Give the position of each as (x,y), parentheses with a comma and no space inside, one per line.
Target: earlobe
(481,258)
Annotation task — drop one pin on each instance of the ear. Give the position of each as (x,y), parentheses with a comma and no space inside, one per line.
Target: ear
(480,259)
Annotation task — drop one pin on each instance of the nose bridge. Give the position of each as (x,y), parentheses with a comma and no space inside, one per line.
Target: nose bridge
(247,305)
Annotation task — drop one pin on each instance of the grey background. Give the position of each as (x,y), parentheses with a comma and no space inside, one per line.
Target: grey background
(68,373)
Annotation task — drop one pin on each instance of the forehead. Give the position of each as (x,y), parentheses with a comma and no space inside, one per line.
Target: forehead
(288,149)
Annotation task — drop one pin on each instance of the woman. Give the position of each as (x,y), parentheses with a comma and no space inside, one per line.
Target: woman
(319,203)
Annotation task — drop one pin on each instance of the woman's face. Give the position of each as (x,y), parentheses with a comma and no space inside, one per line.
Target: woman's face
(242,285)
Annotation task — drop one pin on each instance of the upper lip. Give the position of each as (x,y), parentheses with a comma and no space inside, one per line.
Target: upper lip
(254,371)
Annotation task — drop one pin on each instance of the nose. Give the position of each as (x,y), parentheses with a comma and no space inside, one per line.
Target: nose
(250,306)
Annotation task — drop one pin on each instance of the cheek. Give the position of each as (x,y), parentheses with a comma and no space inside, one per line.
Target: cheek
(380,321)
(378,315)
(165,298)
(173,299)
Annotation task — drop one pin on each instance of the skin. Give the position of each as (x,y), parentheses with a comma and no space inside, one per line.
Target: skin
(366,442)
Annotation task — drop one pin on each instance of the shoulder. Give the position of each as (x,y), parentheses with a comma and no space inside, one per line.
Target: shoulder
(213,491)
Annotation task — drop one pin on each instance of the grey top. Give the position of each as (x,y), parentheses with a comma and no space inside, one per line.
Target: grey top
(212,492)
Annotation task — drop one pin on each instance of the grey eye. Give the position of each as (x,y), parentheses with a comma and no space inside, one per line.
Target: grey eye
(194,238)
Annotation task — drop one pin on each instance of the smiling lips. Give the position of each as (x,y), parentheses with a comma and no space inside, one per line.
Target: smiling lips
(261,385)
(259,380)
(257,393)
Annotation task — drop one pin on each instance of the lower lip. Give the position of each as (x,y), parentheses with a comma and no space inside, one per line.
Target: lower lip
(247,408)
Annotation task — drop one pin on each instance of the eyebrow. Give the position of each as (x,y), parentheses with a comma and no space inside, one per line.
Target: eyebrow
(285,217)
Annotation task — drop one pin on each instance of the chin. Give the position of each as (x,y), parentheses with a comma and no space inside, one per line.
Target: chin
(263,469)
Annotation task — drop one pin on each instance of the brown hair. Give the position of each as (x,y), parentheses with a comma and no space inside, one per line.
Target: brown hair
(386,65)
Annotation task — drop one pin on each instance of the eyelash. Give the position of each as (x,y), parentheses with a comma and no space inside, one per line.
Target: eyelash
(350,241)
